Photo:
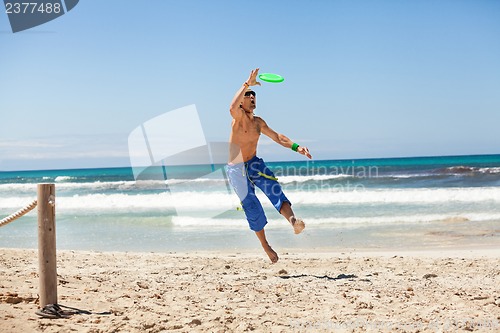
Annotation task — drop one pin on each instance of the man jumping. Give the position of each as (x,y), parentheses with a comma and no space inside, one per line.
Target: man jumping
(246,170)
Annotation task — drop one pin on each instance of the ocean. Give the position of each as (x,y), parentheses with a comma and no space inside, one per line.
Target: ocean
(363,204)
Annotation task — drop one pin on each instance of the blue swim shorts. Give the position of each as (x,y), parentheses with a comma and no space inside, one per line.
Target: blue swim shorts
(243,178)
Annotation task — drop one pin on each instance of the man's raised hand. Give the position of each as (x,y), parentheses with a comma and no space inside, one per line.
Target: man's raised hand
(252,79)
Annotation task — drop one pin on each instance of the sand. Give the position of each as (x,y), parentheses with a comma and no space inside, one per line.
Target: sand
(434,291)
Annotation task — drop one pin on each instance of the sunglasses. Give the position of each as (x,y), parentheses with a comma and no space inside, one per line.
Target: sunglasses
(248,93)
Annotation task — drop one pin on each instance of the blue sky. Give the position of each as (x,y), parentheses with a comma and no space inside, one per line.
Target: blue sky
(362,78)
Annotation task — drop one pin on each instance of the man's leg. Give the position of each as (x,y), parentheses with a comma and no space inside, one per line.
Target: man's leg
(261,235)
(264,178)
(297,223)
(272,189)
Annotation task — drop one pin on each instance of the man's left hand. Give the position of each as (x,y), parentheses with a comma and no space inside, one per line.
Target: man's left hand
(304,151)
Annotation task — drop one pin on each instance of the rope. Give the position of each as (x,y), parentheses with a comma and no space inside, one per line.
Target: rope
(18,214)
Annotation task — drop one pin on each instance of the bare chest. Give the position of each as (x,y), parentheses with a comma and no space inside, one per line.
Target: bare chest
(247,127)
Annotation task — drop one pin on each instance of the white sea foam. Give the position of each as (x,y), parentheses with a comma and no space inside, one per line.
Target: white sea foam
(196,209)
(305,183)
(98,185)
(490,170)
(123,203)
(63,178)
(16,189)
(29,187)
(196,222)
(302,179)
(405,219)
(374,196)
(189,221)
(199,201)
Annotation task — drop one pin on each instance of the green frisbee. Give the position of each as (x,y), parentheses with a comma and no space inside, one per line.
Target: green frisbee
(270,77)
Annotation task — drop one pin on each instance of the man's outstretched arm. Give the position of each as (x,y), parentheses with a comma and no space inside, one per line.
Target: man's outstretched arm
(284,140)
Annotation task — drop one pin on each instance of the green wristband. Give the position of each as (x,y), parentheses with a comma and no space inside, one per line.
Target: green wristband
(295,146)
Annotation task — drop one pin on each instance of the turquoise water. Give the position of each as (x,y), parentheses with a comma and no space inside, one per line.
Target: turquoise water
(347,204)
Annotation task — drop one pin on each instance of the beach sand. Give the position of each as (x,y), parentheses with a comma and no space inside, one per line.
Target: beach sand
(397,291)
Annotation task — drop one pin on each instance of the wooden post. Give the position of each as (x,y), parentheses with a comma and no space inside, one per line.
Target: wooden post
(47,244)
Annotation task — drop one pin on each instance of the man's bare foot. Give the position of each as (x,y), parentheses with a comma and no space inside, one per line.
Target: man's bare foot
(297,224)
(271,254)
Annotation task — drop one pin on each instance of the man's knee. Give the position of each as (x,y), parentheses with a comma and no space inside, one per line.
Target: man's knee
(254,213)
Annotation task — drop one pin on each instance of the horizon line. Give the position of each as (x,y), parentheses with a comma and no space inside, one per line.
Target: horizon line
(268,161)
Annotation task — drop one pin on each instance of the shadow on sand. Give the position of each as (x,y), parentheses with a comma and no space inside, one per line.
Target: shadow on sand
(326,277)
